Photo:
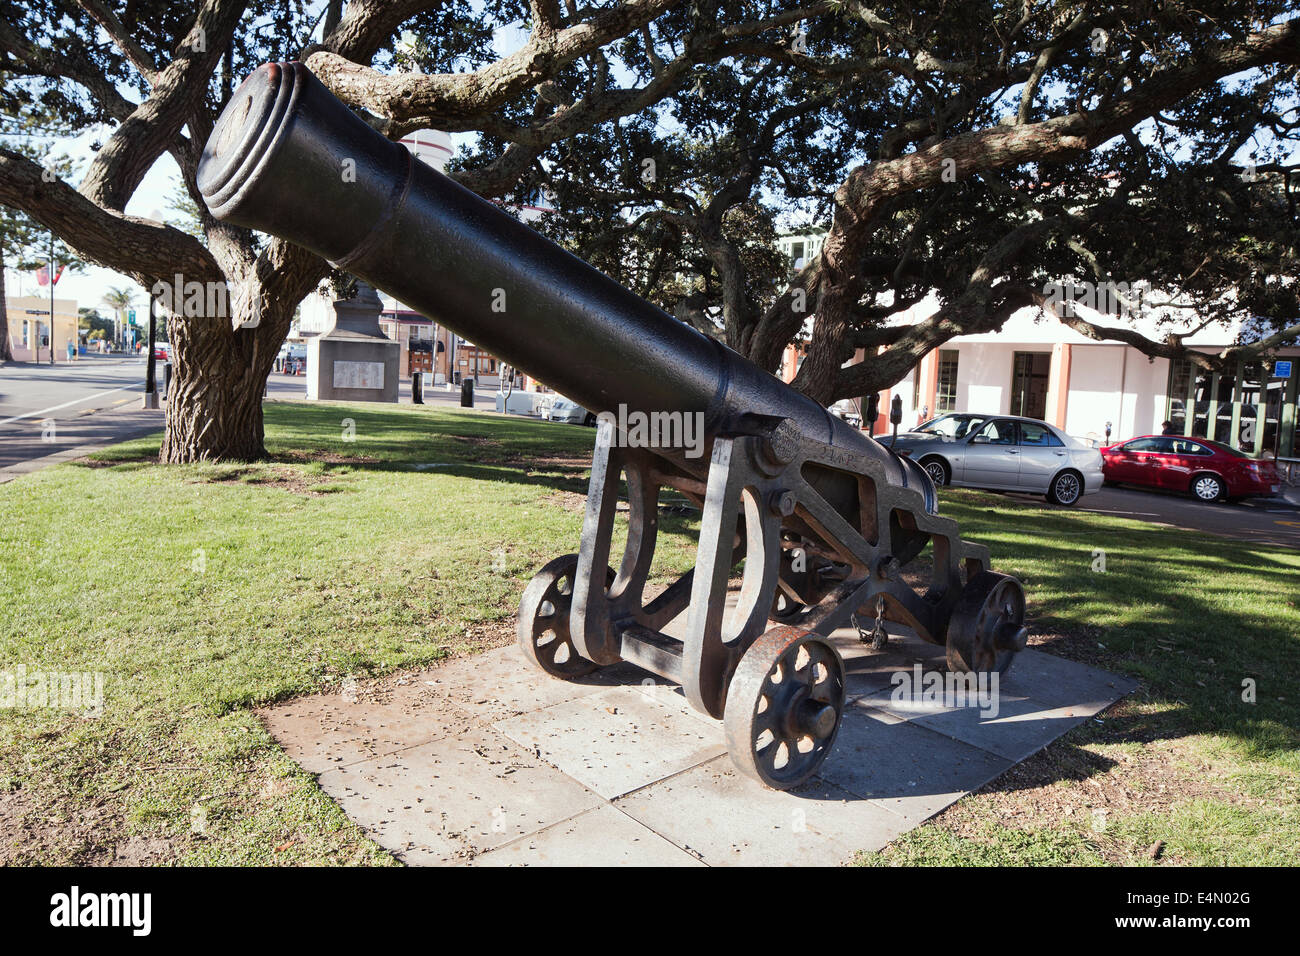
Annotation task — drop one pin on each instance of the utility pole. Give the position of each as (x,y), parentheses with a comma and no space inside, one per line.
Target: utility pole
(150,375)
(38,344)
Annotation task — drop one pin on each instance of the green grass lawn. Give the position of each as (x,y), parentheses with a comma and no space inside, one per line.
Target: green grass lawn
(203,591)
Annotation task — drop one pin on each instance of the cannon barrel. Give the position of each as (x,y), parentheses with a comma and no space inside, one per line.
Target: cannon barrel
(286,157)
(821,514)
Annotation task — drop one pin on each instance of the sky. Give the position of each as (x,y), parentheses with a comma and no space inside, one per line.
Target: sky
(150,200)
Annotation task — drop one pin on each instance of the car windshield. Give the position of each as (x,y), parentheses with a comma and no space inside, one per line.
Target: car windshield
(952,426)
(562,403)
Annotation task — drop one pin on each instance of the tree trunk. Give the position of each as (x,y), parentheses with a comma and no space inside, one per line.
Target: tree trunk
(214,405)
(217,417)
(821,365)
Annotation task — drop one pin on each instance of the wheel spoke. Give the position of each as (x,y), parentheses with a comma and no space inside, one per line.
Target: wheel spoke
(765,719)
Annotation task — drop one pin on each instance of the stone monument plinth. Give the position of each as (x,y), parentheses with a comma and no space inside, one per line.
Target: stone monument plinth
(353,361)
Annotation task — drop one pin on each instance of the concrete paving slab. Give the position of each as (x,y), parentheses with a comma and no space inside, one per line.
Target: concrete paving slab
(619,739)
(1020,728)
(484,759)
(327,731)
(1059,683)
(449,800)
(868,671)
(728,820)
(906,768)
(601,837)
(500,683)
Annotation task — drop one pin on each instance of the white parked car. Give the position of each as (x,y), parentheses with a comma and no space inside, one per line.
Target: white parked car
(848,410)
(566,410)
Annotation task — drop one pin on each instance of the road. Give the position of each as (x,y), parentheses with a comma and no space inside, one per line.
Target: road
(1260,520)
(46,412)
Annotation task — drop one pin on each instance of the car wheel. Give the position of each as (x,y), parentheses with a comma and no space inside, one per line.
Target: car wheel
(590,420)
(937,470)
(1066,488)
(1207,487)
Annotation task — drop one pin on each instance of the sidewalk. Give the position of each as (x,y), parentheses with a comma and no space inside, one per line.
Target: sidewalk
(28,445)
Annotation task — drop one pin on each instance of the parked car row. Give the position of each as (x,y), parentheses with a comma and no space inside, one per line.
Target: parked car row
(1013,453)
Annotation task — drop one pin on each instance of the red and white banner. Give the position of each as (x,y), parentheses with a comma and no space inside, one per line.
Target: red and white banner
(43,275)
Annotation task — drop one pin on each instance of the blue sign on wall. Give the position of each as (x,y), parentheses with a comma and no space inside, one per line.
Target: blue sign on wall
(1282,369)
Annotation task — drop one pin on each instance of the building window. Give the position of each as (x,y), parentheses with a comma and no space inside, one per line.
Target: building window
(1180,384)
(1223,407)
(1246,408)
(945,399)
(1031,372)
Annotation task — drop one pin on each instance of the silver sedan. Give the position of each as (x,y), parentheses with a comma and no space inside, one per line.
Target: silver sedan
(1005,453)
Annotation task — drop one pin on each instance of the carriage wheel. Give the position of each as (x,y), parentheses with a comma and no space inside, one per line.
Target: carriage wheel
(784,706)
(542,627)
(987,627)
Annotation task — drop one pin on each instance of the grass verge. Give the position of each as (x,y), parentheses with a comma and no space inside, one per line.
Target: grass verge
(1201,765)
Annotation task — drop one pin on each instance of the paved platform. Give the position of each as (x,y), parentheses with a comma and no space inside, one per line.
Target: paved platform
(486,762)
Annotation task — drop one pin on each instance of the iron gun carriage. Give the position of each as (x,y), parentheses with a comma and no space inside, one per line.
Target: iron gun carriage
(820,517)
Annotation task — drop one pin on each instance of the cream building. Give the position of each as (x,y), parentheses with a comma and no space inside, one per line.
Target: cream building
(29,327)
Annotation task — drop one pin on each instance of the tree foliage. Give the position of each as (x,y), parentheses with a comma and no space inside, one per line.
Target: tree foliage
(979,153)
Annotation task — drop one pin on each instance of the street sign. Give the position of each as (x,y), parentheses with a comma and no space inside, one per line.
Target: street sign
(37,311)
(1282,369)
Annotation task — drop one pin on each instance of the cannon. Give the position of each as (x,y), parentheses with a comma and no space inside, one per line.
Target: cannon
(812,518)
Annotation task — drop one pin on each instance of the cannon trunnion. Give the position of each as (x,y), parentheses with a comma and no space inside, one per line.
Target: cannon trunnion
(821,517)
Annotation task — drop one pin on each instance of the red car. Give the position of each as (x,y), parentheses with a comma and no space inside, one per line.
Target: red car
(1210,470)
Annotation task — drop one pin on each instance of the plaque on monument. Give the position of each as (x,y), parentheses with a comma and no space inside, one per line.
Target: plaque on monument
(353,360)
(358,374)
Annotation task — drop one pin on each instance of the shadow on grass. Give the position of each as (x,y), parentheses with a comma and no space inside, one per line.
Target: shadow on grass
(1209,625)
(338,438)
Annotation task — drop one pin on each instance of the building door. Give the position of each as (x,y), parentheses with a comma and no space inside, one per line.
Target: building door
(1030,374)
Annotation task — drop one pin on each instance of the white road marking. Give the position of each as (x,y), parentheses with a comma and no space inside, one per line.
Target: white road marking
(75,401)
